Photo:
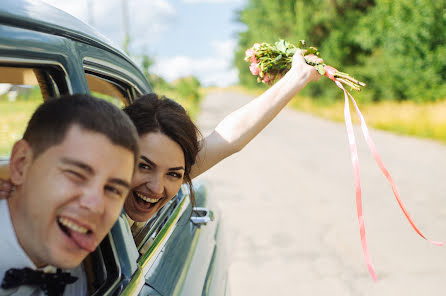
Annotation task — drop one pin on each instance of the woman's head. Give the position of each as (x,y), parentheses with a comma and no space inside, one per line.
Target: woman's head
(168,142)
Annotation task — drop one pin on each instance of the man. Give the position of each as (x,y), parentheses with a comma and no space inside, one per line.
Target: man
(71,171)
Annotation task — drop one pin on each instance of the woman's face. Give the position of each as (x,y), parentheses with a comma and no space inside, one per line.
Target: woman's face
(158,176)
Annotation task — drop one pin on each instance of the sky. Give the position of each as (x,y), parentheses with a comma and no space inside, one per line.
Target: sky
(184,37)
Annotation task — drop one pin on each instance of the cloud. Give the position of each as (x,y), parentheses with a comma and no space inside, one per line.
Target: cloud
(213,70)
(213,1)
(147,19)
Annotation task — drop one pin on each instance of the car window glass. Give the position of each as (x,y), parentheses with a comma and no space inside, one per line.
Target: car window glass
(22,89)
(107,89)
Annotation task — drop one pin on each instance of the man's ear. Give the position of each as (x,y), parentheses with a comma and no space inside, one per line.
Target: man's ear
(20,161)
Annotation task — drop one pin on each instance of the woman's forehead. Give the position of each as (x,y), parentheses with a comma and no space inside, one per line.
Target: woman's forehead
(161,150)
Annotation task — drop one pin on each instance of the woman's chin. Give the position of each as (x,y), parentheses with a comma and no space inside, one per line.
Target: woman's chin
(138,217)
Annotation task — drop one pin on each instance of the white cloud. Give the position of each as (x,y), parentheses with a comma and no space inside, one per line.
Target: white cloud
(147,19)
(213,70)
(214,1)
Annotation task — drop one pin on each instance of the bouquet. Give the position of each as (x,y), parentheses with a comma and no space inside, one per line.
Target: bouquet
(271,62)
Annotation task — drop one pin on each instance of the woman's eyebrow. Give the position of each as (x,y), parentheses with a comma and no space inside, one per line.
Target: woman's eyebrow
(154,164)
(147,160)
(176,168)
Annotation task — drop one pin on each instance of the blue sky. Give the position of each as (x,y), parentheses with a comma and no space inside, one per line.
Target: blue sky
(185,37)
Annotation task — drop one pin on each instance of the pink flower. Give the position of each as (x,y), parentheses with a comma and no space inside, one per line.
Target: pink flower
(254,59)
(254,68)
(256,46)
(249,53)
(267,78)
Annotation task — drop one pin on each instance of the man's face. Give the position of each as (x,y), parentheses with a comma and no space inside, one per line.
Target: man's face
(69,197)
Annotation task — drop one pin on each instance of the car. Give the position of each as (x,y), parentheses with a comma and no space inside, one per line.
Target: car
(45,52)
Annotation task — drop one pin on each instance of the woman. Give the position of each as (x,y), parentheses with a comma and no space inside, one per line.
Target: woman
(171,152)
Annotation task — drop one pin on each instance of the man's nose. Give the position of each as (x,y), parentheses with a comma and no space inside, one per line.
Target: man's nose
(93,199)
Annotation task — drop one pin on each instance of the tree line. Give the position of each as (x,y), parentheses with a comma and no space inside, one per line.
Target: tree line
(396,46)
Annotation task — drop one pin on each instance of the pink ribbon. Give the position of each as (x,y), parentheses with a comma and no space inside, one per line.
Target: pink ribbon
(330,73)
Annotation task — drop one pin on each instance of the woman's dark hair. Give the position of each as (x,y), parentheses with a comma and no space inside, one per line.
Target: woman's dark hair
(151,114)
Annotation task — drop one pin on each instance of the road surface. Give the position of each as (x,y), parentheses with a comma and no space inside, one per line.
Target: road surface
(288,206)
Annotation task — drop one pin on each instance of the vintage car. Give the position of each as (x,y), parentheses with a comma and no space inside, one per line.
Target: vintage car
(45,52)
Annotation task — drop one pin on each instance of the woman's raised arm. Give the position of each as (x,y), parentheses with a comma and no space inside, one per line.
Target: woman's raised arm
(241,126)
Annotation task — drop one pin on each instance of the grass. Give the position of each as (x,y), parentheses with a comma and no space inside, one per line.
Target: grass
(13,119)
(426,120)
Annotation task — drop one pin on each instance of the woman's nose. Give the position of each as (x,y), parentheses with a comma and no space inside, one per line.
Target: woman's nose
(156,185)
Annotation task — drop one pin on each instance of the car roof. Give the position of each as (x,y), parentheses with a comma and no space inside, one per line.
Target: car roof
(39,16)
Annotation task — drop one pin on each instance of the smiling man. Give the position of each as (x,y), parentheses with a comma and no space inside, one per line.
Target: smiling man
(72,171)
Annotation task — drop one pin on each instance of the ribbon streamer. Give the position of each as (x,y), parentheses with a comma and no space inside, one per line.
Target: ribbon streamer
(330,73)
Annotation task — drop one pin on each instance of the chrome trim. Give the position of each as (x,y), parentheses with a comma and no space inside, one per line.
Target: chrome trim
(118,265)
(96,67)
(201,216)
(12,60)
(139,278)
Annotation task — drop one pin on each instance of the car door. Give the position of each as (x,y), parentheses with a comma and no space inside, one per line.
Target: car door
(178,250)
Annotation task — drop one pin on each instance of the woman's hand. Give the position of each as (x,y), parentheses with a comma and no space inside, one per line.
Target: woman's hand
(6,188)
(300,66)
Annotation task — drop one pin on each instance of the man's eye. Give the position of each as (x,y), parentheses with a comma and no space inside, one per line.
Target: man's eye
(113,190)
(75,175)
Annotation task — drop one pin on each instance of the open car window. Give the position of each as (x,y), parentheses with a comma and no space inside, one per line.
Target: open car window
(24,85)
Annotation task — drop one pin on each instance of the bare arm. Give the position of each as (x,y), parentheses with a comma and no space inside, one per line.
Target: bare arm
(237,129)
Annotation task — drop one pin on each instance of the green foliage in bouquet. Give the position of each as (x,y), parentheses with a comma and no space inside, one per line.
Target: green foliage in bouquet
(270,62)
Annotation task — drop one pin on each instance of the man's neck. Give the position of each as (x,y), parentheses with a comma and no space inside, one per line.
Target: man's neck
(19,227)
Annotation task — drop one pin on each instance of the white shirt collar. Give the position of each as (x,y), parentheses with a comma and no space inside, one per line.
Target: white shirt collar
(11,253)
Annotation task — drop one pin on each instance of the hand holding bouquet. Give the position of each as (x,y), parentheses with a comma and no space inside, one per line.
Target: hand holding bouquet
(270,62)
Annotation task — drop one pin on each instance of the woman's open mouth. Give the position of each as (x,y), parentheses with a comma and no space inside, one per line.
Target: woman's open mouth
(145,202)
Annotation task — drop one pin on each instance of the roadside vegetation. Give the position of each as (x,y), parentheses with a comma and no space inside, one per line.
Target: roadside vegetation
(16,110)
(396,47)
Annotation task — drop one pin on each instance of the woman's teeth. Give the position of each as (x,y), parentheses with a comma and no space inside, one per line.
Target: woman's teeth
(146,199)
(67,223)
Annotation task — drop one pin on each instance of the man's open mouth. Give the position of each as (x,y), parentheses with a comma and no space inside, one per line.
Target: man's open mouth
(81,235)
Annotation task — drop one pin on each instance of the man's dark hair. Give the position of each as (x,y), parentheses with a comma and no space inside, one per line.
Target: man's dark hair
(52,120)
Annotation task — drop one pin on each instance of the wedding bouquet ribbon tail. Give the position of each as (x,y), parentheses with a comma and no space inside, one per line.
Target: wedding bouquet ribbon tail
(355,162)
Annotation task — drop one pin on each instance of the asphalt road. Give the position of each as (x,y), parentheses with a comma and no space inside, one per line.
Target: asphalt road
(288,206)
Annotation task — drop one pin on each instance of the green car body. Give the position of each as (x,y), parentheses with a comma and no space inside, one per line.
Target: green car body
(178,252)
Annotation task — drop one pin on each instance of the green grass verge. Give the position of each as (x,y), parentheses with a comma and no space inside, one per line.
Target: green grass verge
(425,120)
(14,117)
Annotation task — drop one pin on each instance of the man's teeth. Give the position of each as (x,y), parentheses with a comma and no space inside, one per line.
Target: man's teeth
(67,223)
(146,199)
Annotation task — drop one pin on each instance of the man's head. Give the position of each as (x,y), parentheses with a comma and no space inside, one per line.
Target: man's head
(72,171)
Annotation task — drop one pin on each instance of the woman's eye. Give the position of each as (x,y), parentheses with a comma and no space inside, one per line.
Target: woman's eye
(175,175)
(144,166)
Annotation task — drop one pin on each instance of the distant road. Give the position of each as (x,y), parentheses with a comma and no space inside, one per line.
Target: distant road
(289,210)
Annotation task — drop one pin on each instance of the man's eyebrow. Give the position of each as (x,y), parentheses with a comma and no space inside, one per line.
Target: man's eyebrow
(120,182)
(78,164)
(154,164)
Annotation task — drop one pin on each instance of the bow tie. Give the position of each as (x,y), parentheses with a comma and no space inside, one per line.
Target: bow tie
(53,284)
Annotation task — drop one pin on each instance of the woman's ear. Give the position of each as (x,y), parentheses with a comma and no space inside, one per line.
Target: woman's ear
(21,158)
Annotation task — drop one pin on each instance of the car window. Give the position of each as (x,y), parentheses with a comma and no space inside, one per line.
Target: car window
(22,89)
(101,87)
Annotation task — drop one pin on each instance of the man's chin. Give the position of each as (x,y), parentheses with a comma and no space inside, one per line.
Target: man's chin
(69,261)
